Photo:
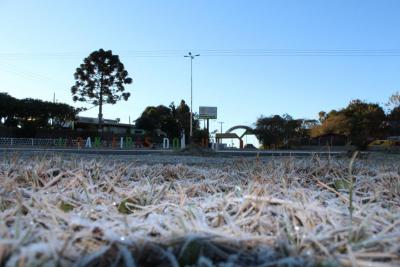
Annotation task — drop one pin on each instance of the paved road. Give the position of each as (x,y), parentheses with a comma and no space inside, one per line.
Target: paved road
(172,152)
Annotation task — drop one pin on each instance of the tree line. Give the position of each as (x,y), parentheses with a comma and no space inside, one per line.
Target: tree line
(34,113)
(360,122)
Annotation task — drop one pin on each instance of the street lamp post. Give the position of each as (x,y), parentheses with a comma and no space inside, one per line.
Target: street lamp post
(191,56)
(221,122)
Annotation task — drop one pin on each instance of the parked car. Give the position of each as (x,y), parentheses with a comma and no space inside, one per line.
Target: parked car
(383,144)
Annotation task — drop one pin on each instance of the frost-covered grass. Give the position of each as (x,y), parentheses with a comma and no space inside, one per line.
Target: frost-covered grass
(60,210)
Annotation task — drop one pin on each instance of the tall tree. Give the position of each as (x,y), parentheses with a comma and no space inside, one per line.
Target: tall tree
(171,120)
(159,118)
(361,122)
(183,117)
(365,121)
(101,79)
(277,130)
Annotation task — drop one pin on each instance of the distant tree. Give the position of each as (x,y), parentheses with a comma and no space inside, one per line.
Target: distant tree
(199,136)
(101,79)
(335,123)
(365,121)
(394,115)
(322,116)
(8,108)
(277,130)
(183,118)
(34,113)
(306,126)
(158,118)
(167,123)
(148,120)
(359,121)
(61,113)
(394,100)
(173,109)
(393,122)
(170,120)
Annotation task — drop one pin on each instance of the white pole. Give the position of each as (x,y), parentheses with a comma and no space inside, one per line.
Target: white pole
(191,94)
(191,100)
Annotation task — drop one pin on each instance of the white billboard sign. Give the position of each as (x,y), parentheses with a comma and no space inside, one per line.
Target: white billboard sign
(208,113)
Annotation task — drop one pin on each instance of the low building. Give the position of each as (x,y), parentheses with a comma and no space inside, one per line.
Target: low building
(108,125)
(330,139)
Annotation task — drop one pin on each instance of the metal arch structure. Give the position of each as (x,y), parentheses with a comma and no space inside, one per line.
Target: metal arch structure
(248,130)
(229,134)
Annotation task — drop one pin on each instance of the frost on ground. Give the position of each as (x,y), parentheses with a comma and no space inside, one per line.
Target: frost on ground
(65,211)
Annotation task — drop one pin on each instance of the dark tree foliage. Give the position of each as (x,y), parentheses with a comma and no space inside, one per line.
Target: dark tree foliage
(158,118)
(101,79)
(304,131)
(393,121)
(34,113)
(322,116)
(199,135)
(170,120)
(394,100)
(277,131)
(361,122)
(62,113)
(334,123)
(183,118)
(8,109)
(365,122)
(394,114)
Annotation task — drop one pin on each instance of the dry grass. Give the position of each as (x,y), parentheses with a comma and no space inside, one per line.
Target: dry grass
(62,211)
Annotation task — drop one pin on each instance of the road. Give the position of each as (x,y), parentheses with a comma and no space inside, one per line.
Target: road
(241,153)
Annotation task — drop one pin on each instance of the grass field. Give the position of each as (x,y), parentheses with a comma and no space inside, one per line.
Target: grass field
(63,210)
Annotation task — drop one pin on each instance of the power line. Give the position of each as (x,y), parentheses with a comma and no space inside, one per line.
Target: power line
(8,67)
(214,53)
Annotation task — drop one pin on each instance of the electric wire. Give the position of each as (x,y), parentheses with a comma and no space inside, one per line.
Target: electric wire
(213,53)
(179,53)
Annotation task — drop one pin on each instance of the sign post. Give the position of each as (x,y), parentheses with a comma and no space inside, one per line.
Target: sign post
(207,113)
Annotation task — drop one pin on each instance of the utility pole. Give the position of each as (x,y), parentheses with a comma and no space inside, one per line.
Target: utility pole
(54,101)
(221,122)
(191,56)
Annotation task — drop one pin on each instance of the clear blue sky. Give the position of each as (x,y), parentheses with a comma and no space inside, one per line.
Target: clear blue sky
(42,42)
